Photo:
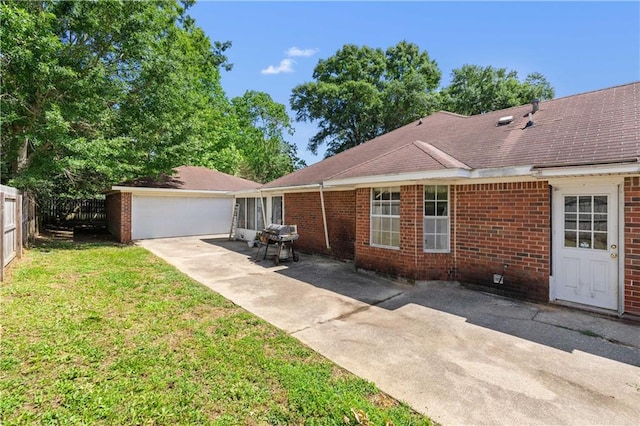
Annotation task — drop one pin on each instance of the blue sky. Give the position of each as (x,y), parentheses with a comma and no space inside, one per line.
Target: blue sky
(577,46)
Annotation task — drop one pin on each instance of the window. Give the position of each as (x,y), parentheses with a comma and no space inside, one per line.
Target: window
(436,218)
(242,213)
(385,217)
(276,210)
(586,221)
(250,214)
(260,204)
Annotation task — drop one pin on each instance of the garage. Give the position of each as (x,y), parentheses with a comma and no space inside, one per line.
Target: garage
(179,216)
(191,201)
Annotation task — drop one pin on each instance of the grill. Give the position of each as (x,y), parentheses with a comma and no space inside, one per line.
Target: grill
(282,238)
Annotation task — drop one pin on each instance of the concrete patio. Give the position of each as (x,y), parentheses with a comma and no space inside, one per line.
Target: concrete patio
(459,356)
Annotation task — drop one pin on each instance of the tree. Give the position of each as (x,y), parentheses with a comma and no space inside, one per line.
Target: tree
(475,89)
(361,93)
(93,93)
(262,124)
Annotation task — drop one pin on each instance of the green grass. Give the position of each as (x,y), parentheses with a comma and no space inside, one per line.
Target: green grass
(109,334)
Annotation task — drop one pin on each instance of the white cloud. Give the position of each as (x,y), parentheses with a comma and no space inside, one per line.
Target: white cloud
(294,51)
(286,65)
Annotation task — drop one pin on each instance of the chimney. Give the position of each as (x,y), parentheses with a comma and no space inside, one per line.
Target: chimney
(535,103)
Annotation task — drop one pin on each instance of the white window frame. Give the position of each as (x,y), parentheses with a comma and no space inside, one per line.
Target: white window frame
(244,216)
(377,211)
(436,218)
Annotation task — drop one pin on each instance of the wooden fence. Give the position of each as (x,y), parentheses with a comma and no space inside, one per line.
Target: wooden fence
(11,229)
(74,212)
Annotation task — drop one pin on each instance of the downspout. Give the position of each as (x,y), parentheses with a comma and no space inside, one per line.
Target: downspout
(324,218)
(415,233)
(455,231)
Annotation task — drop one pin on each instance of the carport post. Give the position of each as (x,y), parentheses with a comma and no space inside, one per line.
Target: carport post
(264,214)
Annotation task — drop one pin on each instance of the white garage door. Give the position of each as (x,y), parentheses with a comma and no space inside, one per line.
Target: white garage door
(156,217)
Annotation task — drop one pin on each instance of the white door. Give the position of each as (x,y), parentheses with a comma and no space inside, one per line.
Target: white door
(585,268)
(157,217)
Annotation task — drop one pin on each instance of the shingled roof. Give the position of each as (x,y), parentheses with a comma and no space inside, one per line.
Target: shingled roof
(599,127)
(196,178)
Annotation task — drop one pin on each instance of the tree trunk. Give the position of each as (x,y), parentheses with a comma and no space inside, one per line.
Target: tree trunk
(22,157)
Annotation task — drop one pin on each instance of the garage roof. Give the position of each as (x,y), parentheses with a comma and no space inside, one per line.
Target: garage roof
(194,178)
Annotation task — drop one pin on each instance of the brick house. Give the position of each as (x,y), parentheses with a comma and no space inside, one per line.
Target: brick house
(540,201)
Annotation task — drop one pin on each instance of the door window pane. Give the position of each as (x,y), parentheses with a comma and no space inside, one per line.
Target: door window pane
(592,221)
(600,204)
(600,241)
(585,222)
(584,204)
(600,222)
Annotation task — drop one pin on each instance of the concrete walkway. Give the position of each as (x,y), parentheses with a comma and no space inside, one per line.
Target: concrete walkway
(456,355)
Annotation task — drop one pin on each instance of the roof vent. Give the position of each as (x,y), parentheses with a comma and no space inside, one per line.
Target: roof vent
(530,122)
(535,104)
(505,120)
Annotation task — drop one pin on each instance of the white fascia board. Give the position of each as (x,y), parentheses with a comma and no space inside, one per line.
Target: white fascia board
(171,192)
(501,172)
(296,188)
(255,192)
(592,170)
(400,177)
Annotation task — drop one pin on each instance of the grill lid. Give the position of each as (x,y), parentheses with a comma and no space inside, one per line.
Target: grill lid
(276,229)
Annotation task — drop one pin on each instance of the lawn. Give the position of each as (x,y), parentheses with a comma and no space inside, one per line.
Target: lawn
(98,333)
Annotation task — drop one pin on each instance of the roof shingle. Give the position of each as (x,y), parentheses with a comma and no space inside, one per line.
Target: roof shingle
(597,127)
(196,178)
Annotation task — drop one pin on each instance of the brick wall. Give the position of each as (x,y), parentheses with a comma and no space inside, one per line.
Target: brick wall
(305,210)
(505,223)
(119,216)
(409,261)
(496,224)
(632,245)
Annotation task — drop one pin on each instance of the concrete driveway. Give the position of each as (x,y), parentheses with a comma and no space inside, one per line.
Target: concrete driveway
(459,356)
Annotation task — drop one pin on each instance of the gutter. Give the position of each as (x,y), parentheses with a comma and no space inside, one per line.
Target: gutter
(630,167)
(166,191)
(300,188)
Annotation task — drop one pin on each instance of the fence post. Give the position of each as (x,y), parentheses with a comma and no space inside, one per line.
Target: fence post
(1,236)
(19,225)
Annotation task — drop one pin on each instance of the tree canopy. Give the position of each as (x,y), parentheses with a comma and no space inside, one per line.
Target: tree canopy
(475,89)
(261,126)
(94,93)
(361,92)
